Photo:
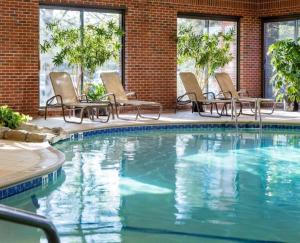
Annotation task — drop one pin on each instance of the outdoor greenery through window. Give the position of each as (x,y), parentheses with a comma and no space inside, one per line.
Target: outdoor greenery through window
(211,27)
(74,24)
(275,31)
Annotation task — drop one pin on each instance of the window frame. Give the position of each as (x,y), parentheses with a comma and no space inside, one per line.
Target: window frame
(219,17)
(89,8)
(265,20)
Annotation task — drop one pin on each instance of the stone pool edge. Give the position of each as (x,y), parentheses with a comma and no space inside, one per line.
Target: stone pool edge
(39,177)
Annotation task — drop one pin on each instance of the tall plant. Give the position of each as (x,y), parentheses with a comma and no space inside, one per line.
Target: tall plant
(207,51)
(88,47)
(285,59)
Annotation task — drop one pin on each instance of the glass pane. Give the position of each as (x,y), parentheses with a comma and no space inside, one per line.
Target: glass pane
(298,26)
(67,19)
(231,68)
(70,19)
(213,27)
(274,31)
(96,18)
(199,26)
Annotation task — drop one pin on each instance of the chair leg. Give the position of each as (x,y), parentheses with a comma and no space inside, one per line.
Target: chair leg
(111,108)
(200,114)
(81,115)
(151,118)
(46,111)
(125,119)
(108,116)
(217,110)
(267,113)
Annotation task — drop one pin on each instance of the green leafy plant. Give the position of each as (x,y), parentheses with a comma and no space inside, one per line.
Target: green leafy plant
(285,59)
(94,91)
(88,47)
(12,119)
(208,51)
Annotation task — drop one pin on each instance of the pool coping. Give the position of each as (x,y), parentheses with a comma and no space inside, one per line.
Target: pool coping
(80,134)
(49,174)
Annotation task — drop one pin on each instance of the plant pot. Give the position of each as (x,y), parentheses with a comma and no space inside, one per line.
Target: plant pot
(195,108)
(290,105)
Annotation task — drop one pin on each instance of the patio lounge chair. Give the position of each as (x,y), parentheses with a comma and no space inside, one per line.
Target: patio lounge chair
(228,91)
(67,99)
(196,96)
(120,98)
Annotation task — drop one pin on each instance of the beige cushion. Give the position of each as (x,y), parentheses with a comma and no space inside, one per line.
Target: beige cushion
(226,85)
(62,85)
(113,84)
(191,84)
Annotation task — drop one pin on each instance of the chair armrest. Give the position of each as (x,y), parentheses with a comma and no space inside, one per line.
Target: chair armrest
(222,95)
(209,93)
(83,98)
(107,96)
(180,98)
(243,92)
(131,93)
(50,100)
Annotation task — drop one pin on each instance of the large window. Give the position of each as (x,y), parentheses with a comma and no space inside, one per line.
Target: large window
(211,26)
(275,30)
(72,17)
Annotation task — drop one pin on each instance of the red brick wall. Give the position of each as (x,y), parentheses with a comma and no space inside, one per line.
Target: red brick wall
(279,7)
(150,46)
(19,55)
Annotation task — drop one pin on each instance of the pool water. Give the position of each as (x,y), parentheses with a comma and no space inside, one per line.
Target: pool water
(179,186)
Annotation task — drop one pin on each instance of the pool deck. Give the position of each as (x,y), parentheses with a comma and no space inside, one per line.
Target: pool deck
(166,118)
(21,161)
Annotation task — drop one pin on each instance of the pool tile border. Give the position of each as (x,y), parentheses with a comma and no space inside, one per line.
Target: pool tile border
(135,128)
(42,180)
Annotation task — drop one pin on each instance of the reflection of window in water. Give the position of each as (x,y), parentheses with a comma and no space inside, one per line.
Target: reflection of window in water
(90,180)
(69,19)
(204,178)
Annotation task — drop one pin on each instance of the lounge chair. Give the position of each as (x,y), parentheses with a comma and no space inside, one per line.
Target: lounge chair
(67,99)
(120,98)
(196,96)
(228,91)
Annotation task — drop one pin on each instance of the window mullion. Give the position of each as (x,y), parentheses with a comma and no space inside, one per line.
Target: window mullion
(296,29)
(82,40)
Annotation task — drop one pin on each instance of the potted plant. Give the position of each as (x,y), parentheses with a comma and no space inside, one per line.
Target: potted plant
(86,48)
(208,52)
(285,59)
(94,92)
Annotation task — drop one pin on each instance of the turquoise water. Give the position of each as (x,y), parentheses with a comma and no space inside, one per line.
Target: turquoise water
(184,186)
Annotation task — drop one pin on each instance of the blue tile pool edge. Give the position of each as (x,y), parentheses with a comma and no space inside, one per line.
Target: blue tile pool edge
(42,180)
(111,130)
